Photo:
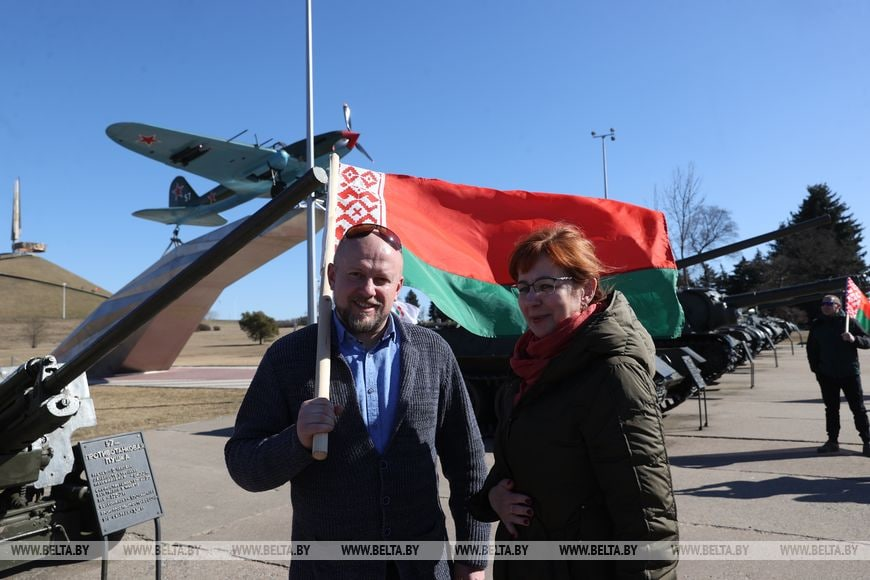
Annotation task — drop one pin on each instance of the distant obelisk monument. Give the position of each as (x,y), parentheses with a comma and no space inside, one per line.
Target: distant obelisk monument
(16,212)
(19,247)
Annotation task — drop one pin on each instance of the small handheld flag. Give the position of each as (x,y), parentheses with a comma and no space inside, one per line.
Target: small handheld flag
(857,306)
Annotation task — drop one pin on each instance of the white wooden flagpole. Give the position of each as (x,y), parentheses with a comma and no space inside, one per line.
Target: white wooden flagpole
(846,308)
(320,446)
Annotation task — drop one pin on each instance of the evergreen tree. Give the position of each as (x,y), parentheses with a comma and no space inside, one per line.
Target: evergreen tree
(412,299)
(827,251)
(748,275)
(435,314)
(710,278)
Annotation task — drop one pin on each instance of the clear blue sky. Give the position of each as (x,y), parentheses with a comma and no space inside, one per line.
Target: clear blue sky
(764,97)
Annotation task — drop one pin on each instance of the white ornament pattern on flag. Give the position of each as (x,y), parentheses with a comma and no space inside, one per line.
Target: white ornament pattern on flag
(360,198)
(853,298)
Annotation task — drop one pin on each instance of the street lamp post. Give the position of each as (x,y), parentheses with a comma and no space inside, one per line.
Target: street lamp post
(63,301)
(603,138)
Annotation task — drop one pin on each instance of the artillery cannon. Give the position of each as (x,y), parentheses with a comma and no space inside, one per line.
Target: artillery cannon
(43,494)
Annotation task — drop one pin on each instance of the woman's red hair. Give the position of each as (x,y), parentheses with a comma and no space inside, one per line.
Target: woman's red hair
(568,248)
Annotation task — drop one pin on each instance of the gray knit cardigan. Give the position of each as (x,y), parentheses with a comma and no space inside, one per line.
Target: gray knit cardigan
(356,493)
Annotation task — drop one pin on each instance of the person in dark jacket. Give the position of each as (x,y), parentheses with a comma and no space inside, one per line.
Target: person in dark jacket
(832,351)
(397,405)
(580,451)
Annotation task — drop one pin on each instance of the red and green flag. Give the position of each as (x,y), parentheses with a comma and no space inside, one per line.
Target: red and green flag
(857,305)
(458,238)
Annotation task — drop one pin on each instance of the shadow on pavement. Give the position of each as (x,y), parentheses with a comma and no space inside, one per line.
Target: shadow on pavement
(722,459)
(845,490)
(819,401)
(223,432)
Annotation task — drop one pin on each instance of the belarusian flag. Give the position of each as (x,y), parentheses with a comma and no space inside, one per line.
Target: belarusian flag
(857,305)
(458,238)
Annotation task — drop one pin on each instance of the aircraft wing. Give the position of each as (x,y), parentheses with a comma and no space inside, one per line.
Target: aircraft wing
(215,159)
(180,216)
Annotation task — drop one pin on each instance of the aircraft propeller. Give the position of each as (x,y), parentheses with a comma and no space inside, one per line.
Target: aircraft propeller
(347,124)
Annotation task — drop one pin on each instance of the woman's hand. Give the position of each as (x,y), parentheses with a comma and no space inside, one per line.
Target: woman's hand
(513,509)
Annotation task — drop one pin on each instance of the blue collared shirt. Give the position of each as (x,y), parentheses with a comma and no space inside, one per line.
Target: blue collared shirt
(376,379)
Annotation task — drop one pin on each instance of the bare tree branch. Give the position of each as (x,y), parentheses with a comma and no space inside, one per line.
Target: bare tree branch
(713,225)
(694,226)
(681,199)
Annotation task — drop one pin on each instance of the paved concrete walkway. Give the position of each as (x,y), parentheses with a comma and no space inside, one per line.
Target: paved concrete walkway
(188,377)
(751,474)
(754,474)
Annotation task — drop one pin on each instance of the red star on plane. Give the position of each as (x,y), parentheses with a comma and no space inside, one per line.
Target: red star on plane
(148,139)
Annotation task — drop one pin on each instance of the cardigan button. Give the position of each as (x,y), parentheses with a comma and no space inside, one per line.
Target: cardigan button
(387,532)
(386,500)
(383,464)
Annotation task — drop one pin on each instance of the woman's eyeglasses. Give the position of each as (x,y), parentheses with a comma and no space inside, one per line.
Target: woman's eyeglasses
(542,286)
(386,234)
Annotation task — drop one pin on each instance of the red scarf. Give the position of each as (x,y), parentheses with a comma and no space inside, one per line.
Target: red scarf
(532,354)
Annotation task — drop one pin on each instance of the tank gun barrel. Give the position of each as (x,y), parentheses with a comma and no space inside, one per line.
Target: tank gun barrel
(788,293)
(754,241)
(231,243)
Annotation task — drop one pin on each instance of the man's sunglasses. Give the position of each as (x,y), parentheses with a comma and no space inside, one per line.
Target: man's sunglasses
(386,234)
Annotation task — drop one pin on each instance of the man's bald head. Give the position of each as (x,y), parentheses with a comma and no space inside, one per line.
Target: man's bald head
(366,277)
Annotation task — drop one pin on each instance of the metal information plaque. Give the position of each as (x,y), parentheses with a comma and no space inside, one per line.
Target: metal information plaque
(122,485)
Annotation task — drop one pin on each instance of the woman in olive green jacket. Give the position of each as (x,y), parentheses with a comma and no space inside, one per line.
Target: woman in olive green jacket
(580,452)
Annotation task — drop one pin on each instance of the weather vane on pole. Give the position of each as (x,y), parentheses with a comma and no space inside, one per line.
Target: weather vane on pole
(603,138)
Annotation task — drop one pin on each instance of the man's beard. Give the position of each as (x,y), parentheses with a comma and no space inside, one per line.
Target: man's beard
(361,323)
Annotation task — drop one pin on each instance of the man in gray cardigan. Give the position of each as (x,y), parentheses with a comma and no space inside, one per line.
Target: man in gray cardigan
(397,400)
